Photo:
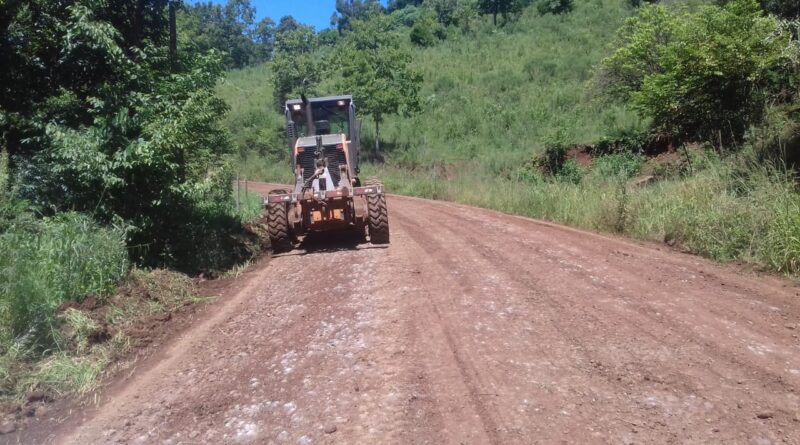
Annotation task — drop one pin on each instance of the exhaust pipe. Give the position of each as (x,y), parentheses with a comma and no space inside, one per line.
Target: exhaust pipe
(309,115)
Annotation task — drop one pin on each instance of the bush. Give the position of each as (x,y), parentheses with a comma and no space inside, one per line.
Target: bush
(553,158)
(554,6)
(426,32)
(696,74)
(729,209)
(570,172)
(617,165)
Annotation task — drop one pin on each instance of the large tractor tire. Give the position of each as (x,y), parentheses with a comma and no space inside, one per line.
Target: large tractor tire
(377,216)
(278,227)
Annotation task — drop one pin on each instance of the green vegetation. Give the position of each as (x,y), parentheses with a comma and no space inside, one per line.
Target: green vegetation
(496,98)
(93,336)
(113,156)
(500,7)
(729,211)
(297,69)
(695,74)
(519,119)
(375,71)
(121,152)
(230,28)
(45,263)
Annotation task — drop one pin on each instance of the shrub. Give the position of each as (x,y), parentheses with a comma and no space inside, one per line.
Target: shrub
(617,165)
(426,32)
(570,172)
(554,6)
(696,74)
(553,158)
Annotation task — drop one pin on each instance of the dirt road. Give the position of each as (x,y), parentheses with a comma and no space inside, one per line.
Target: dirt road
(475,327)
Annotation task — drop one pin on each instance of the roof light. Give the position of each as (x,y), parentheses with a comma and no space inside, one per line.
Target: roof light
(341,103)
(297,107)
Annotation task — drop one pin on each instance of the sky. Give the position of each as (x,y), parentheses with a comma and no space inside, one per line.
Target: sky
(316,13)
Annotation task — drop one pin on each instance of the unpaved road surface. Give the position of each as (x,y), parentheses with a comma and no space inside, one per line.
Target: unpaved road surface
(475,327)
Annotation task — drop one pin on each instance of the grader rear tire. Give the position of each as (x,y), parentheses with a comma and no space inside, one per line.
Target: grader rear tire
(377,217)
(278,228)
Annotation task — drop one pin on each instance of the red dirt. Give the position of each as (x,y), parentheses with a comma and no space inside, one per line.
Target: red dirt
(581,154)
(473,327)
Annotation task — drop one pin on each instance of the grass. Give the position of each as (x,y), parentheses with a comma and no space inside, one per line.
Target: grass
(50,264)
(45,263)
(730,210)
(498,96)
(83,358)
(251,204)
(494,97)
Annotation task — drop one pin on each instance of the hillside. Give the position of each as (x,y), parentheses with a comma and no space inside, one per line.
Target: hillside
(494,98)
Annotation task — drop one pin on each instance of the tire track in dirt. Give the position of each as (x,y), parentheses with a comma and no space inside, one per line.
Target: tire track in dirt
(649,318)
(475,327)
(463,230)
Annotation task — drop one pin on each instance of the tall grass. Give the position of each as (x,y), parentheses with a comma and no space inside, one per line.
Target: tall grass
(49,262)
(43,264)
(731,210)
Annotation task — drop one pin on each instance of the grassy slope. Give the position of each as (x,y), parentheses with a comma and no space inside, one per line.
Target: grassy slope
(257,128)
(493,99)
(494,96)
(497,96)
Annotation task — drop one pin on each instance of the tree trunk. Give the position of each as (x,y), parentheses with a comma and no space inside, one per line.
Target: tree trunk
(173,37)
(377,136)
(496,11)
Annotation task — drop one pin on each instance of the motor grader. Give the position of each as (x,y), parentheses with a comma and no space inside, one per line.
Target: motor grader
(328,196)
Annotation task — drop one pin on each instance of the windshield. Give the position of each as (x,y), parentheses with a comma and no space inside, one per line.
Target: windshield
(336,115)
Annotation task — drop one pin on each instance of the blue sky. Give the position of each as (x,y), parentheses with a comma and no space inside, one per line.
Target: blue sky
(316,13)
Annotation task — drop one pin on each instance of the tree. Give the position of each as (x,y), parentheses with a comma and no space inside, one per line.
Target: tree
(426,31)
(376,70)
(264,36)
(296,68)
(349,10)
(227,28)
(444,10)
(500,7)
(696,74)
(299,39)
(789,9)
(466,14)
(287,23)
(328,37)
(395,5)
(46,53)
(97,120)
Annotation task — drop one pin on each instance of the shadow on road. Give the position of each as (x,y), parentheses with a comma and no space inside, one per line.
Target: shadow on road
(328,242)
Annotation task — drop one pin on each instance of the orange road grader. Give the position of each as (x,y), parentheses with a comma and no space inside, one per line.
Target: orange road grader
(328,195)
